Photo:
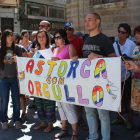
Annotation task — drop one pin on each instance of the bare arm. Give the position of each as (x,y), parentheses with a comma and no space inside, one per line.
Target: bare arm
(25,54)
(31,53)
(94,56)
(112,55)
(72,51)
(130,65)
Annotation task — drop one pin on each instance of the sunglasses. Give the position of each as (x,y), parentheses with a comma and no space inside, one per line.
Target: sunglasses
(121,32)
(42,26)
(57,37)
(69,29)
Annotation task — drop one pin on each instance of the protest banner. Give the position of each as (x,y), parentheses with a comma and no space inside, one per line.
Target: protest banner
(95,83)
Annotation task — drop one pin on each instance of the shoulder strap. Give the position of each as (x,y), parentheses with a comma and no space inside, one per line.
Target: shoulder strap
(119,48)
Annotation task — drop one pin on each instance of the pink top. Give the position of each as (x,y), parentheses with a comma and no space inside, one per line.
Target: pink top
(64,54)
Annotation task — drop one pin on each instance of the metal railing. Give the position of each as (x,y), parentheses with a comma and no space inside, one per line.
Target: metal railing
(95,2)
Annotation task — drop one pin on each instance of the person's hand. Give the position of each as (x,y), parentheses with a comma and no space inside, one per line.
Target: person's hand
(130,65)
(14,58)
(75,58)
(94,56)
(55,58)
(30,54)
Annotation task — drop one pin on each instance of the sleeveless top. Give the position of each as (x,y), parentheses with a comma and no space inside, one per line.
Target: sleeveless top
(64,54)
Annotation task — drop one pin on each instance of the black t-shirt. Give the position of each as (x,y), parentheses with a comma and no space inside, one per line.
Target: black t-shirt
(10,68)
(99,44)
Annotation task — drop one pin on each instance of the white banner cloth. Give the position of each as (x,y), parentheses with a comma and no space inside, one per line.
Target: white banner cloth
(95,83)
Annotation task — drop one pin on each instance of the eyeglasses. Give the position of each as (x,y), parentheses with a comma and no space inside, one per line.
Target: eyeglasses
(121,32)
(42,26)
(69,29)
(57,37)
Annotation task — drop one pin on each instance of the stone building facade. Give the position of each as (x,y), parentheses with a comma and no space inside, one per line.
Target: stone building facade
(9,15)
(34,11)
(112,12)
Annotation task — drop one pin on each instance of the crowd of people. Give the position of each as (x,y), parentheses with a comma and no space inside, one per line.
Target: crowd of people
(67,45)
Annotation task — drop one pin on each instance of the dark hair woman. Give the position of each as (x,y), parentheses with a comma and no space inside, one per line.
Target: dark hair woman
(67,111)
(45,108)
(25,39)
(8,79)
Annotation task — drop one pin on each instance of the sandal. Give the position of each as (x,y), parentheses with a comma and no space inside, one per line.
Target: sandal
(137,135)
(39,127)
(73,136)
(81,123)
(47,130)
(63,134)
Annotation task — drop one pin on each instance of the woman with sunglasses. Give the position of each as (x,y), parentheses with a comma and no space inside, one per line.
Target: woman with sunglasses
(124,47)
(45,108)
(25,39)
(8,79)
(67,111)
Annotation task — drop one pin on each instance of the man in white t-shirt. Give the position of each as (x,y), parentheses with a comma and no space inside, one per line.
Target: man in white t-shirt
(126,47)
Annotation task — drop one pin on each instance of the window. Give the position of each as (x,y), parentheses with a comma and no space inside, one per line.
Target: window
(95,2)
(56,12)
(36,10)
(68,1)
(7,23)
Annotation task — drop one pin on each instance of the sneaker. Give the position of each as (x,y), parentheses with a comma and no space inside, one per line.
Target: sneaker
(17,125)
(23,117)
(116,121)
(129,125)
(35,116)
(5,126)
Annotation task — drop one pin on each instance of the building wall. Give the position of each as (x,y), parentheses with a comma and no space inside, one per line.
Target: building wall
(9,2)
(112,14)
(31,21)
(59,2)
(9,9)
(10,13)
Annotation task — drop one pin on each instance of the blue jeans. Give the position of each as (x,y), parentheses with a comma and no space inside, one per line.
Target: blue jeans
(91,115)
(5,85)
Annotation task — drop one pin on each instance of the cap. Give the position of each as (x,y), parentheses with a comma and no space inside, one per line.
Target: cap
(69,24)
(79,34)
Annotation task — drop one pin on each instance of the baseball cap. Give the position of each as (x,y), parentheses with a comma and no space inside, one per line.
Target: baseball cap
(79,34)
(69,24)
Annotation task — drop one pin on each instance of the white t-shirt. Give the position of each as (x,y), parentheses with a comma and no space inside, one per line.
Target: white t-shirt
(127,49)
